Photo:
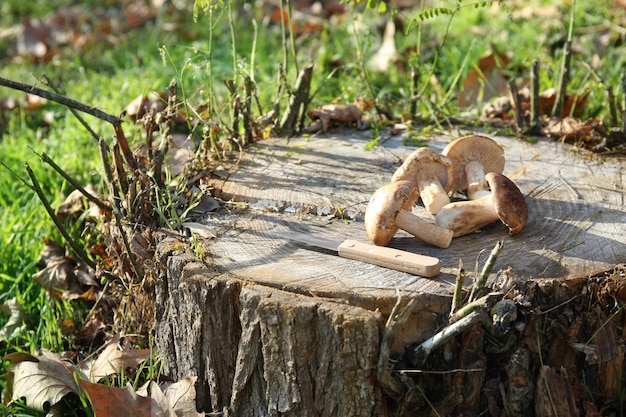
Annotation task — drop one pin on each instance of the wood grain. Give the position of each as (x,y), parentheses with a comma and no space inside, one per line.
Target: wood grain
(577,224)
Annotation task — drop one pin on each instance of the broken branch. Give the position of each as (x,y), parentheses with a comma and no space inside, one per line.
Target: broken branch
(78,251)
(31,89)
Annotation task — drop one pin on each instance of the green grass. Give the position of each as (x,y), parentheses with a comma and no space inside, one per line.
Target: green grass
(147,59)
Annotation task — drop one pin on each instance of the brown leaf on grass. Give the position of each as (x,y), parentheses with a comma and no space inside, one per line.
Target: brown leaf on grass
(56,276)
(116,402)
(76,203)
(487,76)
(574,104)
(113,360)
(502,107)
(60,274)
(17,317)
(347,114)
(42,380)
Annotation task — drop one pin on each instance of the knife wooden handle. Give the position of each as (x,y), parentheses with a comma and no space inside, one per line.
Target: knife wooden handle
(425,266)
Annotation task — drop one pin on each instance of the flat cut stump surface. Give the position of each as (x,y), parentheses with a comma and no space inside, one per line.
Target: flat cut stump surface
(576,207)
(273,327)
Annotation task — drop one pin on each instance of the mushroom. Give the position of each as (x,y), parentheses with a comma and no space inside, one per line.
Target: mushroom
(505,202)
(472,157)
(431,173)
(389,209)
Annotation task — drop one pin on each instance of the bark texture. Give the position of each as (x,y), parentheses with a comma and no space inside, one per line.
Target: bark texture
(260,351)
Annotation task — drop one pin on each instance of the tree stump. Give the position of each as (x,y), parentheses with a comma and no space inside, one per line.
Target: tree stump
(272,327)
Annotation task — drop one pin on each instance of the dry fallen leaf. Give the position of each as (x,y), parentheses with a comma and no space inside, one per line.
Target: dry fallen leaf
(17,317)
(75,203)
(116,402)
(487,76)
(61,275)
(342,113)
(112,360)
(180,396)
(42,380)
(569,129)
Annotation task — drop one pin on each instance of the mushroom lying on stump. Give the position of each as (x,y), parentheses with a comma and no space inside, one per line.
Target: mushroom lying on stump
(472,157)
(505,202)
(390,208)
(431,173)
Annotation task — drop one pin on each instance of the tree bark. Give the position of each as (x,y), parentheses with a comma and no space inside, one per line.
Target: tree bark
(260,351)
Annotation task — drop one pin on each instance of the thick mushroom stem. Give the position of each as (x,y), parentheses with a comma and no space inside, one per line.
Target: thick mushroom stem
(505,202)
(431,173)
(476,185)
(389,209)
(463,217)
(424,230)
(433,195)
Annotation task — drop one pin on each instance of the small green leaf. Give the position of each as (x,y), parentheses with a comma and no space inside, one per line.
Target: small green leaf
(382,7)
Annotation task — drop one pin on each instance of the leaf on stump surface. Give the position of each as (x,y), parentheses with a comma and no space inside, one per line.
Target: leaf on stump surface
(41,380)
(116,402)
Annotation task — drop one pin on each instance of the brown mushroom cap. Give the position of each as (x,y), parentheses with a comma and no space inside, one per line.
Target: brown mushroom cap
(383,207)
(425,162)
(473,148)
(508,202)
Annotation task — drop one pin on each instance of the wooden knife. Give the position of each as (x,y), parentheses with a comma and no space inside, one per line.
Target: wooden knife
(413,263)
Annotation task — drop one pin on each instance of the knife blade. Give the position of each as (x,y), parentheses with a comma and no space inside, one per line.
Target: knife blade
(413,263)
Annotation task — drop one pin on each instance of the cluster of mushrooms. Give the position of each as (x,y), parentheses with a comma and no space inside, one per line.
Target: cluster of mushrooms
(472,164)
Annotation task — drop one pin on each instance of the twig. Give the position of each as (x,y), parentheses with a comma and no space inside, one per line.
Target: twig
(418,356)
(247,110)
(113,192)
(557,110)
(397,317)
(458,289)
(78,251)
(30,89)
(479,285)
(612,106)
(519,115)
(624,102)
(484,303)
(119,167)
(45,158)
(298,101)
(415,75)
(534,97)
(82,121)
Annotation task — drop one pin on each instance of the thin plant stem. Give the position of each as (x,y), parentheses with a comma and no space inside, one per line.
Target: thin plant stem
(78,251)
(45,158)
(565,66)
(82,121)
(231,24)
(479,285)
(534,96)
(365,76)
(292,39)
(458,289)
